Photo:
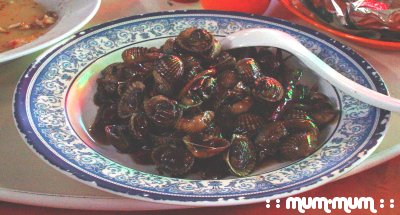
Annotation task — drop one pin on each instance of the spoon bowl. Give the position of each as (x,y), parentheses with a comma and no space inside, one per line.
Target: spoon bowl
(282,40)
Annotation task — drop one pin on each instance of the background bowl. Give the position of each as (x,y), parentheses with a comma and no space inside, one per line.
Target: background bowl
(73,15)
(302,12)
(53,110)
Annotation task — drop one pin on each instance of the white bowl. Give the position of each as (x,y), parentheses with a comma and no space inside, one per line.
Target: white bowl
(73,15)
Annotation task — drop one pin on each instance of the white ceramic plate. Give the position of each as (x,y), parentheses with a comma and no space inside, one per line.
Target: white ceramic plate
(73,15)
(53,109)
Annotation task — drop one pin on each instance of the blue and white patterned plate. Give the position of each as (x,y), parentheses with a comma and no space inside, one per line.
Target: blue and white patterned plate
(53,108)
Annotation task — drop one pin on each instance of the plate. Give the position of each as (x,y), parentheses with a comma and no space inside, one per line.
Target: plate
(53,108)
(306,15)
(73,15)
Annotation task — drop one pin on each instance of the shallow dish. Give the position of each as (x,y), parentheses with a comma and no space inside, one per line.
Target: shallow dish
(73,15)
(53,108)
(306,15)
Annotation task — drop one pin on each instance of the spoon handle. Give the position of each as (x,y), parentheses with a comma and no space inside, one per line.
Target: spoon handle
(279,39)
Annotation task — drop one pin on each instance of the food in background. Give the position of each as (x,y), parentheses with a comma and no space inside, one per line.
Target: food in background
(22,21)
(375,19)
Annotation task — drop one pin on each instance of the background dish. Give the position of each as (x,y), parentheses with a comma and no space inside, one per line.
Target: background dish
(73,15)
(43,86)
(309,17)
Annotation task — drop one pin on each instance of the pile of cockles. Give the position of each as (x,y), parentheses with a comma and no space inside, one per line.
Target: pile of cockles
(189,107)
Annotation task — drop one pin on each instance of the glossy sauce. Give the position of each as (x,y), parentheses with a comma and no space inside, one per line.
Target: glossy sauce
(13,12)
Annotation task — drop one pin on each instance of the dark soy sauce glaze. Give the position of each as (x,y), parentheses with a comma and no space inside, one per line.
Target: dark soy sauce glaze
(188,107)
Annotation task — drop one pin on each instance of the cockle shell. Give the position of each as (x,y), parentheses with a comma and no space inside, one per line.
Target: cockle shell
(241,156)
(297,145)
(248,70)
(162,111)
(195,40)
(207,147)
(131,100)
(268,89)
(172,159)
(248,124)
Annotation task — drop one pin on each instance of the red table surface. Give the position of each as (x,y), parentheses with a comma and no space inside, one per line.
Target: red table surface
(380,182)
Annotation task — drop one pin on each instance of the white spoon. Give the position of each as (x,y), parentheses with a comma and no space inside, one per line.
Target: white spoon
(279,39)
